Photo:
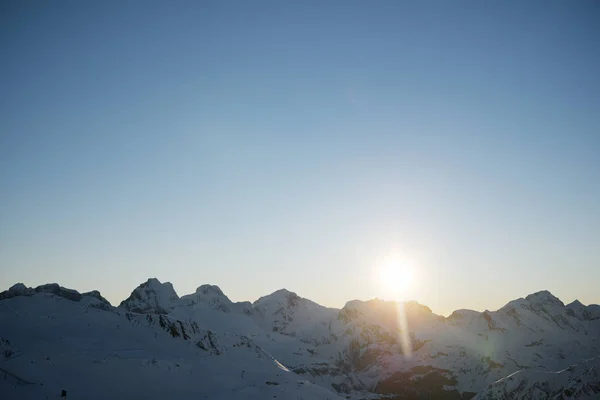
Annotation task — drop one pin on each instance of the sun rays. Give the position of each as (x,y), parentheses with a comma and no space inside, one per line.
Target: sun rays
(395,277)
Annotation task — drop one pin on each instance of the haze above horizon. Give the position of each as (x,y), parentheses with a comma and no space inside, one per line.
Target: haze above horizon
(263,145)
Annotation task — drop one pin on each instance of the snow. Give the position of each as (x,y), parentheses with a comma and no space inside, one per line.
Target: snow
(98,354)
(287,313)
(152,297)
(577,381)
(208,296)
(544,297)
(203,345)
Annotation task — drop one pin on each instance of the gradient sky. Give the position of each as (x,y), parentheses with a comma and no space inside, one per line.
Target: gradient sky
(261,145)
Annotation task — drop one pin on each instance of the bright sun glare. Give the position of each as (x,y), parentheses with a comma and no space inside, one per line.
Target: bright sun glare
(396,281)
(396,277)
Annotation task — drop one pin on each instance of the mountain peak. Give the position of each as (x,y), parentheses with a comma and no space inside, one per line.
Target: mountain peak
(208,295)
(151,296)
(18,288)
(578,310)
(283,293)
(210,289)
(575,303)
(96,294)
(279,296)
(154,282)
(544,297)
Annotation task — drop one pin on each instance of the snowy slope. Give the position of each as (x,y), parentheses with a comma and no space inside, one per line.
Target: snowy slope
(457,355)
(470,350)
(203,344)
(58,343)
(577,381)
(287,313)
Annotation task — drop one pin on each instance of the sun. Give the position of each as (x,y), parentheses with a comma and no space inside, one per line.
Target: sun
(395,278)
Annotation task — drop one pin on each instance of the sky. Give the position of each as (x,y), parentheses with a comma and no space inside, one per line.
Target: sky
(266,145)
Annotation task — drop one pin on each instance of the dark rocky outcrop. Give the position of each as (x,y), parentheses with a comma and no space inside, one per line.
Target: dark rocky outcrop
(21,290)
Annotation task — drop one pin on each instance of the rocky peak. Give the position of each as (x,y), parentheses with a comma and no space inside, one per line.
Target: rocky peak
(60,291)
(151,297)
(287,313)
(16,290)
(210,289)
(277,300)
(544,297)
(581,312)
(463,314)
(210,296)
(96,294)
(20,289)
(155,283)
(279,296)
(575,304)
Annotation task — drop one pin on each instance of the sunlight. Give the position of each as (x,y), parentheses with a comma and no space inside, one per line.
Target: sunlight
(395,278)
(396,282)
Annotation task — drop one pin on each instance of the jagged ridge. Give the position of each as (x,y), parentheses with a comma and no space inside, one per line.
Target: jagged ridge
(361,347)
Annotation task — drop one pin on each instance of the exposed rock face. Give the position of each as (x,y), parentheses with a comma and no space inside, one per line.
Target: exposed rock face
(20,289)
(17,289)
(96,294)
(380,347)
(544,297)
(583,313)
(151,297)
(54,288)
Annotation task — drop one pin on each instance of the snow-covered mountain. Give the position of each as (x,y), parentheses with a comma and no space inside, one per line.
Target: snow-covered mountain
(203,345)
(577,381)
(152,297)
(286,313)
(57,339)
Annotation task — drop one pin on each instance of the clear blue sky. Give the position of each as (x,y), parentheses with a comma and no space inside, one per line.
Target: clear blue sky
(260,145)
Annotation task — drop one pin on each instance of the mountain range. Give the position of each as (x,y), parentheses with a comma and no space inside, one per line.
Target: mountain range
(156,344)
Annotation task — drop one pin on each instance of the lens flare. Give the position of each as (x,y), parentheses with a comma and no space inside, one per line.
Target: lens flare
(404,336)
(396,279)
